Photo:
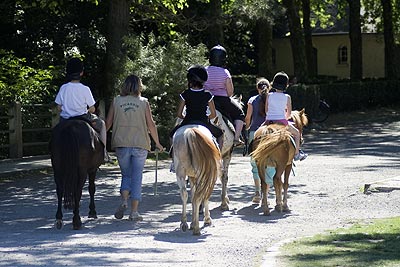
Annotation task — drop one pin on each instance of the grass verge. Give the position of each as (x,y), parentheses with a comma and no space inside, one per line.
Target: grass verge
(376,243)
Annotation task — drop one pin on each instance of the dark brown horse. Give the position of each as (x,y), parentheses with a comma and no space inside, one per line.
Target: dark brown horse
(76,154)
(274,146)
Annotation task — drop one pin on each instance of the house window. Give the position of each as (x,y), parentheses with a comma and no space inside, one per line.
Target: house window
(342,54)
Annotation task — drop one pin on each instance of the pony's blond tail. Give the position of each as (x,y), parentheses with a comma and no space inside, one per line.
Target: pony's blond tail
(269,144)
(205,160)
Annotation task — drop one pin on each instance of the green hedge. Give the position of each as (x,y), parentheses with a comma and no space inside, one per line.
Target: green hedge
(346,95)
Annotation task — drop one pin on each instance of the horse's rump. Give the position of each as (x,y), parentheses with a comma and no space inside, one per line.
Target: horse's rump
(196,154)
(272,145)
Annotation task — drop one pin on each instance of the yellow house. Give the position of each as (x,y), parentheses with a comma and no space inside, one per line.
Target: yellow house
(332,52)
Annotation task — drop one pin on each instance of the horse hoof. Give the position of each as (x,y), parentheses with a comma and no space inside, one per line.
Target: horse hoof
(224,207)
(207,223)
(184,227)
(285,208)
(92,215)
(266,211)
(278,208)
(196,232)
(59,224)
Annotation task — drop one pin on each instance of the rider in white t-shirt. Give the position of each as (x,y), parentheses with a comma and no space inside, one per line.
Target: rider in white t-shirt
(278,108)
(76,100)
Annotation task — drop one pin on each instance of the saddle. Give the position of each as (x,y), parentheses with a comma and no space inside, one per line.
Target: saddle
(90,119)
(227,120)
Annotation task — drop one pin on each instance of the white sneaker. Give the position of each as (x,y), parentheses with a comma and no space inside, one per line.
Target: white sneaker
(300,156)
(135,216)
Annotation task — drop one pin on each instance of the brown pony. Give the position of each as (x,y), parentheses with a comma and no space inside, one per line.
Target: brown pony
(196,156)
(274,146)
(76,153)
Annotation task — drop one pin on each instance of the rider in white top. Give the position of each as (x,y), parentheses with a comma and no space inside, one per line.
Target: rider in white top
(76,100)
(278,108)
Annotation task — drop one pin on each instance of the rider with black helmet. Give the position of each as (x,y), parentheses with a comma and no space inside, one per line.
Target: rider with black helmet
(220,84)
(196,100)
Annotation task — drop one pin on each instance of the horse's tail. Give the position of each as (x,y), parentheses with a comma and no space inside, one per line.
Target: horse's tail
(269,144)
(205,160)
(69,167)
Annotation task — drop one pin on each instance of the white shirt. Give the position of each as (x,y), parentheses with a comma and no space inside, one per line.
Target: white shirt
(74,99)
(277,105)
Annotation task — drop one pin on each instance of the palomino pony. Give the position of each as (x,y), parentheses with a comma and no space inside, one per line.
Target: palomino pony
(198,157)
(76,153)
(274,146)
(227,148)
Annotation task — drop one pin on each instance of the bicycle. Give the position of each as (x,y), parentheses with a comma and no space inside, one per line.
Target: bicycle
(322,113)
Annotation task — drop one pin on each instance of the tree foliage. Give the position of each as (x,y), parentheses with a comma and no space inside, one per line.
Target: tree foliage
(22,83)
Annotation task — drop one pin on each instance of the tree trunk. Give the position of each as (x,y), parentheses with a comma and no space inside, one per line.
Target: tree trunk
(215,29)
(264,51)
(117,28)
(309,49)
(356,62)
(296,40)
(7,26)
(391,68)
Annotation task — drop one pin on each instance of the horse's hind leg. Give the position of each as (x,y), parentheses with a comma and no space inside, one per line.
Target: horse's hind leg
(278,188)
(285,206)
(224,182)
(195,214)
(92,191)
(59,214)
(184,196)
(207,217)
(264,201)
(76,219)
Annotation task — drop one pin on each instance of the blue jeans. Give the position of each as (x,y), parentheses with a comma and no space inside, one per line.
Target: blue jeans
(131,161)
(269,171)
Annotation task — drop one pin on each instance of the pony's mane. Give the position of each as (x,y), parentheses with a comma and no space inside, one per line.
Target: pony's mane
(299,117)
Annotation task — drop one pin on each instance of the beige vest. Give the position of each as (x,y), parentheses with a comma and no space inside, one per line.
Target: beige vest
(129,124)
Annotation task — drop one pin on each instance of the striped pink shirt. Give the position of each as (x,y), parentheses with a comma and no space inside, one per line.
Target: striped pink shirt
(216,80)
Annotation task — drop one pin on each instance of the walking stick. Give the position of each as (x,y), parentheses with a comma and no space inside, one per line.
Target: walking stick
(155,178)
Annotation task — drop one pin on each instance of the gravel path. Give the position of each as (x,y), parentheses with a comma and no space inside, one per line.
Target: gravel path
(325,193)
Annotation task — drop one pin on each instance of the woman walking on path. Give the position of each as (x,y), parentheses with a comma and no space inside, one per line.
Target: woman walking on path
(131,120)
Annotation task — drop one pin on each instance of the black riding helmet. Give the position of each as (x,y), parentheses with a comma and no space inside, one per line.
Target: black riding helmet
(217,56)
(74,68)
(197,74)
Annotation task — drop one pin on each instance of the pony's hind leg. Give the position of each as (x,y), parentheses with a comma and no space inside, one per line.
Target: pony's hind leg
(278,189)
(207,216)
(285,206)
(184,196)
(224,182)
(59,215)
(264,190)
(76,219)
(92,190)
(195,215)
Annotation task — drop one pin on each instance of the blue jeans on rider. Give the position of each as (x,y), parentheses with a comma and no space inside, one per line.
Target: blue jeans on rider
(131,161)
(269,171)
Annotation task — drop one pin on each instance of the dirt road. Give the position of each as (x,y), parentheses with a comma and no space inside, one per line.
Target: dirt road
(325,193)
